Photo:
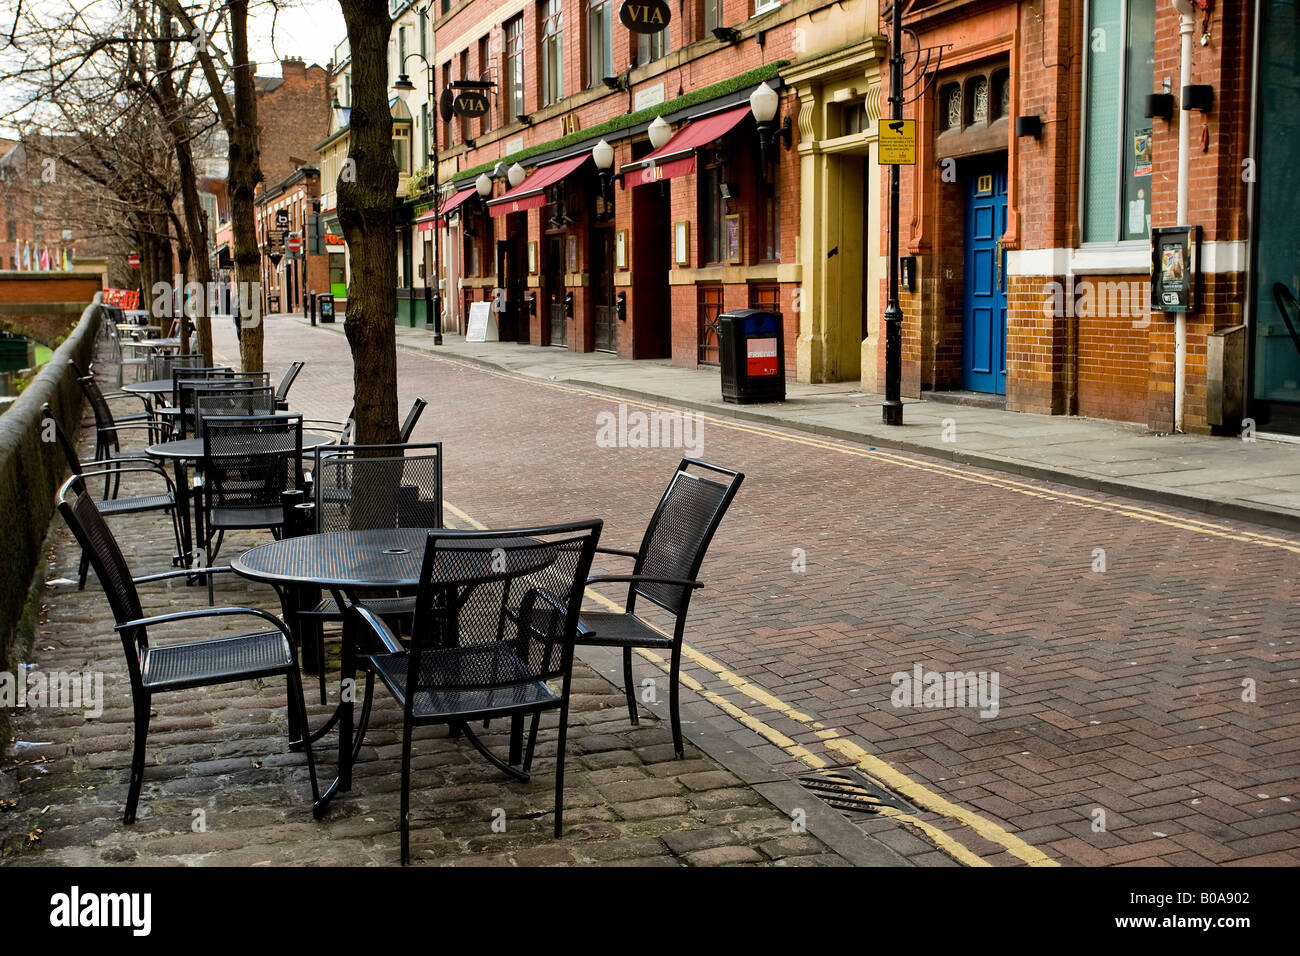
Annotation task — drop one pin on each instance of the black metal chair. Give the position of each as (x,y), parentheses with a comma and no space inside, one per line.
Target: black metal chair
(158,668)
(160,366)
(164,501)
(286,383)
(228,402)
(665,572)
(413,416)
(364,487)
(495,619)
(185,386)
(109,429)
(248,463)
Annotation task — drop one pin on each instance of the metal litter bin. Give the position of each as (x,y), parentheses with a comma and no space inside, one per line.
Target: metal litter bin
(752,351)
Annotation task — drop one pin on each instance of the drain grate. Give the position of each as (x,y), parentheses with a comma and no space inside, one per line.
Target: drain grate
(851,790)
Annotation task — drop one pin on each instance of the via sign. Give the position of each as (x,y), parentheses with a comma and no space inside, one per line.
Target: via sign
(470,103)
(645,16)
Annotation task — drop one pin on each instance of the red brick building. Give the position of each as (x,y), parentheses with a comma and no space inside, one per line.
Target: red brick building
(283,212)
(1047,152)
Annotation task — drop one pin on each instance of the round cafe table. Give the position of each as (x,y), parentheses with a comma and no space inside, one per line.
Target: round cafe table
(346,562)
(159,386)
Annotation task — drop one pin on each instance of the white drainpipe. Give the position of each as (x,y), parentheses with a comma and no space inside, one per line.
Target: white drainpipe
(1185,30)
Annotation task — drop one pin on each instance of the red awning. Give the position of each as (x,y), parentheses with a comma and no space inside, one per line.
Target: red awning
(677,156)
(531,193)
(425,222)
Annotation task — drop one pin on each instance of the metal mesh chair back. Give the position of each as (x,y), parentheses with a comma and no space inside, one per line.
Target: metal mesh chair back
(680,531)
(364,487)
(98,404)
(282,390)
(185,390)
(228,402)
(413,416)
(97,542)
(61,437)
(250,461)
(184,379)
(160,366)
(497,610)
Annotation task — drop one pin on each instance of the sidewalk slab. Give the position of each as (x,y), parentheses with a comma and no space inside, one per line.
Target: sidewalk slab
(1256,481)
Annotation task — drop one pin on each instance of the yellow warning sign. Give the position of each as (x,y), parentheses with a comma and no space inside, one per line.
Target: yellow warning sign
(897,145)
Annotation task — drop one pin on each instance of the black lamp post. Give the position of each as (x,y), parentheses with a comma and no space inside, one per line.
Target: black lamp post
(432,295)
(892,411)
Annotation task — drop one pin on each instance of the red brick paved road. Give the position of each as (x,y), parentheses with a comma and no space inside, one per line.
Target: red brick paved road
(1121,691)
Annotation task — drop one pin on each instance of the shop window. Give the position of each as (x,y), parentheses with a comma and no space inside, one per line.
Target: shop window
(1119,72)
(713,209)
(552,51)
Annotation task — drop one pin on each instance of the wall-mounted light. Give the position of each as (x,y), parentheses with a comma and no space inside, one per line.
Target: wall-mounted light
(660,132)
(726,34)
(602,154)
(729,190)
(1199,97)
(515,175)
(1029,126)
(483,185)
(1160,105)
(525,119)
(615,83)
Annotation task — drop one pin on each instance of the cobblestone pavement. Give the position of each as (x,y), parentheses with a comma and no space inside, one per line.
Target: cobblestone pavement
(221,786)
(1147,712)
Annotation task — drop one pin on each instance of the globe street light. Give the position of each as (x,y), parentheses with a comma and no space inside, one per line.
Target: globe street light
(660,132)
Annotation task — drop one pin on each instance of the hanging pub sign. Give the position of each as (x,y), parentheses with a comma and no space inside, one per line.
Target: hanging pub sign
(470,103)
(645,16)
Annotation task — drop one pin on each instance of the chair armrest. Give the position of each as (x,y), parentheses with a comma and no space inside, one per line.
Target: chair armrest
(210,612)
(644,579)
(176,574)
(123,465)
(618,551)
(381,630)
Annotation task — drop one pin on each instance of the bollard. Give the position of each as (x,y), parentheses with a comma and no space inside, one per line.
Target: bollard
(311,304)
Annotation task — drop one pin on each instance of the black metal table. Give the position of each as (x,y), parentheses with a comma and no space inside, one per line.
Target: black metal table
(159,386)
(181,452)
(345,562)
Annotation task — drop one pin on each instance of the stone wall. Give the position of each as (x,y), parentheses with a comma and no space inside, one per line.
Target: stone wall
(30,472)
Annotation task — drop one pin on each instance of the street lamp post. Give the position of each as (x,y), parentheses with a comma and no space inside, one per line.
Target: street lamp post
(432,295)
(892,411)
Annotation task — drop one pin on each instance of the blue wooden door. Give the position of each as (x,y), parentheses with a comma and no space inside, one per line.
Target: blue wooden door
(984,307)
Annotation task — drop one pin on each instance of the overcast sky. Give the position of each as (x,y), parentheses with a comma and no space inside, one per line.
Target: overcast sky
(306,28)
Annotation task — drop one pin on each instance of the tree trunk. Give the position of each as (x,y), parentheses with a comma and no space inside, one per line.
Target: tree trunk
(196,227)
(244,175)
(367,206)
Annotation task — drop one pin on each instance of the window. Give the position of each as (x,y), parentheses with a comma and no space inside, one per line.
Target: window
(402,150)
(713,209)
(712,16)
(401,49)
(12,230)
(1120,70)
(485,73)
(855,119)
(651,47)
(600,42)
(552,26)
(1000,104)
(464,75)
(424,33)
(978,110)
(762,6)
(446,85)
(514,54)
